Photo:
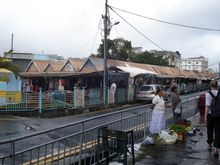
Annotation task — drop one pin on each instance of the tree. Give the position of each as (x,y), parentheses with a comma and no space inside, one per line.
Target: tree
(118,49)
(8,64)
(150,58)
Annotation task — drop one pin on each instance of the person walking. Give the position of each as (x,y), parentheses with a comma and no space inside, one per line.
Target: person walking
(176,104)
(213,124)
(158,115)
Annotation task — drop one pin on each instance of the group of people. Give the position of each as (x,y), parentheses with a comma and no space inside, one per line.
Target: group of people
(205,104)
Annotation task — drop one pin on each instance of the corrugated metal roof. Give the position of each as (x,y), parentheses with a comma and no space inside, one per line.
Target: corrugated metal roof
(94,64)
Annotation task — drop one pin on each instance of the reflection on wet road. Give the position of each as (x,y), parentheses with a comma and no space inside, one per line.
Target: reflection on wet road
(11,127)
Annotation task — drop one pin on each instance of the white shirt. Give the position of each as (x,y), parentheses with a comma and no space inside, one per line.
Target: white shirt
(159,103)
(113,88)
(208,97)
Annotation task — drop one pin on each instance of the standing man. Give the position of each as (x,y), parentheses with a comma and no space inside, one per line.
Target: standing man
(212,122)
(176,104)
(113,91)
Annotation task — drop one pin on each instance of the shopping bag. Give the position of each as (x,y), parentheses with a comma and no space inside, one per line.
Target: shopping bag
(169,137)
(178,109)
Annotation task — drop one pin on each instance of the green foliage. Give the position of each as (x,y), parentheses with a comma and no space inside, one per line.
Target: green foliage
(178,128)
(150,58)
(121,49)
(117,49)
(8,64)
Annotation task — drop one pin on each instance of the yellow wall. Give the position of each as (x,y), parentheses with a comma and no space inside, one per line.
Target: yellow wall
(10,96)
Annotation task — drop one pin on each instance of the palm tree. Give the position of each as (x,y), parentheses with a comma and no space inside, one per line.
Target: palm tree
(8,64)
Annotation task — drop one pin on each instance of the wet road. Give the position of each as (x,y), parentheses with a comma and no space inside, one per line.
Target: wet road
(10,127)
(14,126)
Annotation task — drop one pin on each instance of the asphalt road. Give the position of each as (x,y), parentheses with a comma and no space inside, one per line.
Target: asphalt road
(14,126)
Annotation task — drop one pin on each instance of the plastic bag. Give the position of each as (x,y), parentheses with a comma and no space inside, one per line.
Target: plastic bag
(170,138)
(159,141)
(147,141)
(178,109)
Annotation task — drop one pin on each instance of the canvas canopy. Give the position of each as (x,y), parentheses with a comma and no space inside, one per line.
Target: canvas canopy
(134,71)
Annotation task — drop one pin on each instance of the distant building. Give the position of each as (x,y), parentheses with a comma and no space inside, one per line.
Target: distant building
(137,50)
(32,56)
(24,59)
(173,57)
(197,64)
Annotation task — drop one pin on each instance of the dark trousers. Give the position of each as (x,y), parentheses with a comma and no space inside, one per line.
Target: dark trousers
(210,129)
(176,118)
(217,132)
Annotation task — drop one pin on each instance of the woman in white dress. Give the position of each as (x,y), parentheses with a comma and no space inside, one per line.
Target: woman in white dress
(158,115)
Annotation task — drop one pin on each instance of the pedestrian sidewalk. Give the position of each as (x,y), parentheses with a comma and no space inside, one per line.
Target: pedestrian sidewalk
(192,151)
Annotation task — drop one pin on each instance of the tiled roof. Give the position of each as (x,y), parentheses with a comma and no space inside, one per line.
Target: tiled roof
(41,65)
(77,62)
(57,65)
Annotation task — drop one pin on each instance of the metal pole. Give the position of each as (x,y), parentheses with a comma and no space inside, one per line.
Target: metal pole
(12,42)
(40,100)
(105,54)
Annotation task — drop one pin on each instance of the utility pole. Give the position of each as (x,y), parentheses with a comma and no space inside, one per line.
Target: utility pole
(12,42)
(105,74)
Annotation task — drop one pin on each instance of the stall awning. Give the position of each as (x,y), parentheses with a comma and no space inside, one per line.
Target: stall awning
(5,70)
(134,71)
(165,76)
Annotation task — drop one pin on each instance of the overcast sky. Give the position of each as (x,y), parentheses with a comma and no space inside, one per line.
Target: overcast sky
(68,27)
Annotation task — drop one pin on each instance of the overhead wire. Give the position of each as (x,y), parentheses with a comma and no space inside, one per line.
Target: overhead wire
(96,35)
(167,22)
(90,40)
(137,29)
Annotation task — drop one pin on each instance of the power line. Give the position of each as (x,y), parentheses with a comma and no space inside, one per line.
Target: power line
(96,36)
(137,30)
(166,22)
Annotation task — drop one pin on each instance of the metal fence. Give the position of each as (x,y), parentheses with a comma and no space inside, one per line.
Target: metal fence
(76,143)
(64,99)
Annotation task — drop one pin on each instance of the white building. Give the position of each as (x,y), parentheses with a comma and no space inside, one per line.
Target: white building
(172,57)
(137,50)
(32,56)
(197,63)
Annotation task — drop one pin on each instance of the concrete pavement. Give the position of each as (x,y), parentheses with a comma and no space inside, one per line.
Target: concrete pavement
(192,151)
